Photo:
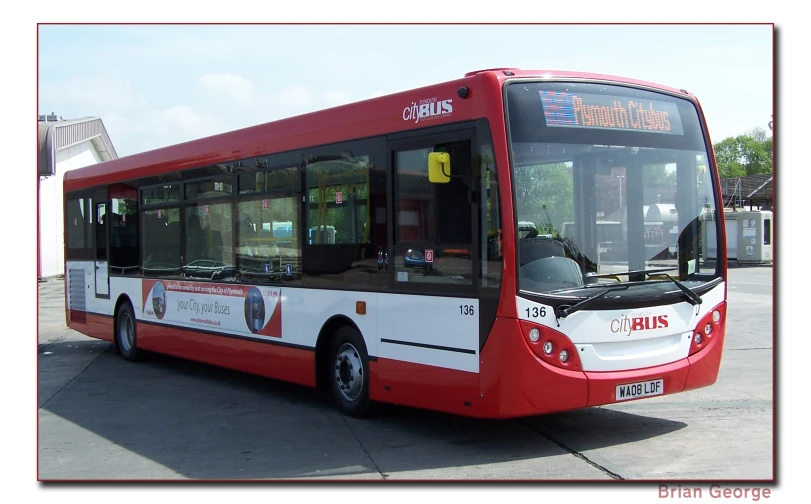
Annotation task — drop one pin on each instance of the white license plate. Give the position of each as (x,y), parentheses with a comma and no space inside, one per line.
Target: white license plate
(641,389)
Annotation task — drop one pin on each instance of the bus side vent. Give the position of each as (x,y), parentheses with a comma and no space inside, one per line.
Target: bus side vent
(76,292)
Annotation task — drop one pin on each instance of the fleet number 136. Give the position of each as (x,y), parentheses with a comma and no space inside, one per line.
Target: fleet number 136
(535,312)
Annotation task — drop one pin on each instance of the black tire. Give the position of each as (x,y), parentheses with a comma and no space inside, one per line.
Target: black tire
(126,338)
(348,372)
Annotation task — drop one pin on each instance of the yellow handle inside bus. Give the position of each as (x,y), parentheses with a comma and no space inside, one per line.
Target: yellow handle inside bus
(439,167)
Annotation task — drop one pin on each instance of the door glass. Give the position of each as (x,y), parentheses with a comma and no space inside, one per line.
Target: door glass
(101,232)
(415,197)
(433,234)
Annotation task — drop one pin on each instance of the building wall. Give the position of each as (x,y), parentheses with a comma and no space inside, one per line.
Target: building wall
(51,222)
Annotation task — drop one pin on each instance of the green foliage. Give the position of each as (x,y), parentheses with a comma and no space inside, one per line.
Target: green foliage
(728,157)
(747,154)
(655,175)
(544,195)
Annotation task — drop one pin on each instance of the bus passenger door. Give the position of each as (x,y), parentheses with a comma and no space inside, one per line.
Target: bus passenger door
(429,317)
(100,226)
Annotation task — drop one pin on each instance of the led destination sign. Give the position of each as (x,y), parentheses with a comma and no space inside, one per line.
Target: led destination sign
(583,110)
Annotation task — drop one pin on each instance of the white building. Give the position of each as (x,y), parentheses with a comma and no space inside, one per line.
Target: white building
(63,145)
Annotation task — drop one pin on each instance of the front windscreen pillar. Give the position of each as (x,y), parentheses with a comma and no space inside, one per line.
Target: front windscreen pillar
(585,213)
(635,219)
(689,211)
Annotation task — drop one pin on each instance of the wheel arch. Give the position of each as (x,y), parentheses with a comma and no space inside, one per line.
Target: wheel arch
(122,298)
(323,344)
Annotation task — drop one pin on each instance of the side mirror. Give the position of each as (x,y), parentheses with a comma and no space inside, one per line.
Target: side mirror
(439,167)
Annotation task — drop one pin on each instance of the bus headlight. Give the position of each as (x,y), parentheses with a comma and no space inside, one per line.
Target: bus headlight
(710,327)
(534,335)
(550,346)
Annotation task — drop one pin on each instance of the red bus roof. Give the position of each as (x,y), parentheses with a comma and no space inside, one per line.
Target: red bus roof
(383,115)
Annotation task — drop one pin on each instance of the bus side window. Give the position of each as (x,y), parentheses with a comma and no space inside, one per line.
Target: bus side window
(268,246)
(75,225)
(345,184)
(124,254)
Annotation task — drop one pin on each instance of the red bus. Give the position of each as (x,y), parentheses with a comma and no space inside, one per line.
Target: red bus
(372,250)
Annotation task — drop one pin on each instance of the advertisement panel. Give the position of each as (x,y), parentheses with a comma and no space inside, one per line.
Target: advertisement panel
(236,309)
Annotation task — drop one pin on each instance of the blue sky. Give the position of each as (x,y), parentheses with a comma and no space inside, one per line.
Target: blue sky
(163,84)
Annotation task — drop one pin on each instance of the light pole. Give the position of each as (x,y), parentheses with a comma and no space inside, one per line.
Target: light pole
(620,177)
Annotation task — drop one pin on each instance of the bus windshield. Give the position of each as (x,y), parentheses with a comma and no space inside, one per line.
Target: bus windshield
(609,180)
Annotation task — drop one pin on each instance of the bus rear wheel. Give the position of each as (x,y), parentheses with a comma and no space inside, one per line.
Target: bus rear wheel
(125,334)
(349,372)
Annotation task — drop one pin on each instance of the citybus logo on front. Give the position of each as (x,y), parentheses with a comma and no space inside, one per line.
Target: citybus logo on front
(640,322)
(429,108)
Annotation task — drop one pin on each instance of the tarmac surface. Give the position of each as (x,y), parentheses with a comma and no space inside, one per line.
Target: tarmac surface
(103,418)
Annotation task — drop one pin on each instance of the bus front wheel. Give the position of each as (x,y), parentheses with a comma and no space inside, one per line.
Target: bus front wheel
(349,372)
(125,335)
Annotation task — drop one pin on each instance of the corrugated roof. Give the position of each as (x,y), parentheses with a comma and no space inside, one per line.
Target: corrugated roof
(755,189)
(60,134)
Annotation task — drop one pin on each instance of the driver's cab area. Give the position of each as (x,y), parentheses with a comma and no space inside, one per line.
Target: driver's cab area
(544,264)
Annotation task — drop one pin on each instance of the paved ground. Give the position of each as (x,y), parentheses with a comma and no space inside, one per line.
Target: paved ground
(101,417)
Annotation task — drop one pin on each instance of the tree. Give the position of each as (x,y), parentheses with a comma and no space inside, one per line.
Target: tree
(747,154)
(758,134)
(727,154)
(658,175)
(544,195)
(758,155)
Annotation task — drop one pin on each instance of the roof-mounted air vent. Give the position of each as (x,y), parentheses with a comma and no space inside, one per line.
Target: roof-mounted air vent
(505,69)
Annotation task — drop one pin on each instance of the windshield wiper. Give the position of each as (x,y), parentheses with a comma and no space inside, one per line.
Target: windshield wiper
(633,272)
(695,299)
(564,311)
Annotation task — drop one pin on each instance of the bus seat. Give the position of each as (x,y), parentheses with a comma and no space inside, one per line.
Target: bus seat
(267,245)
(533,249)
